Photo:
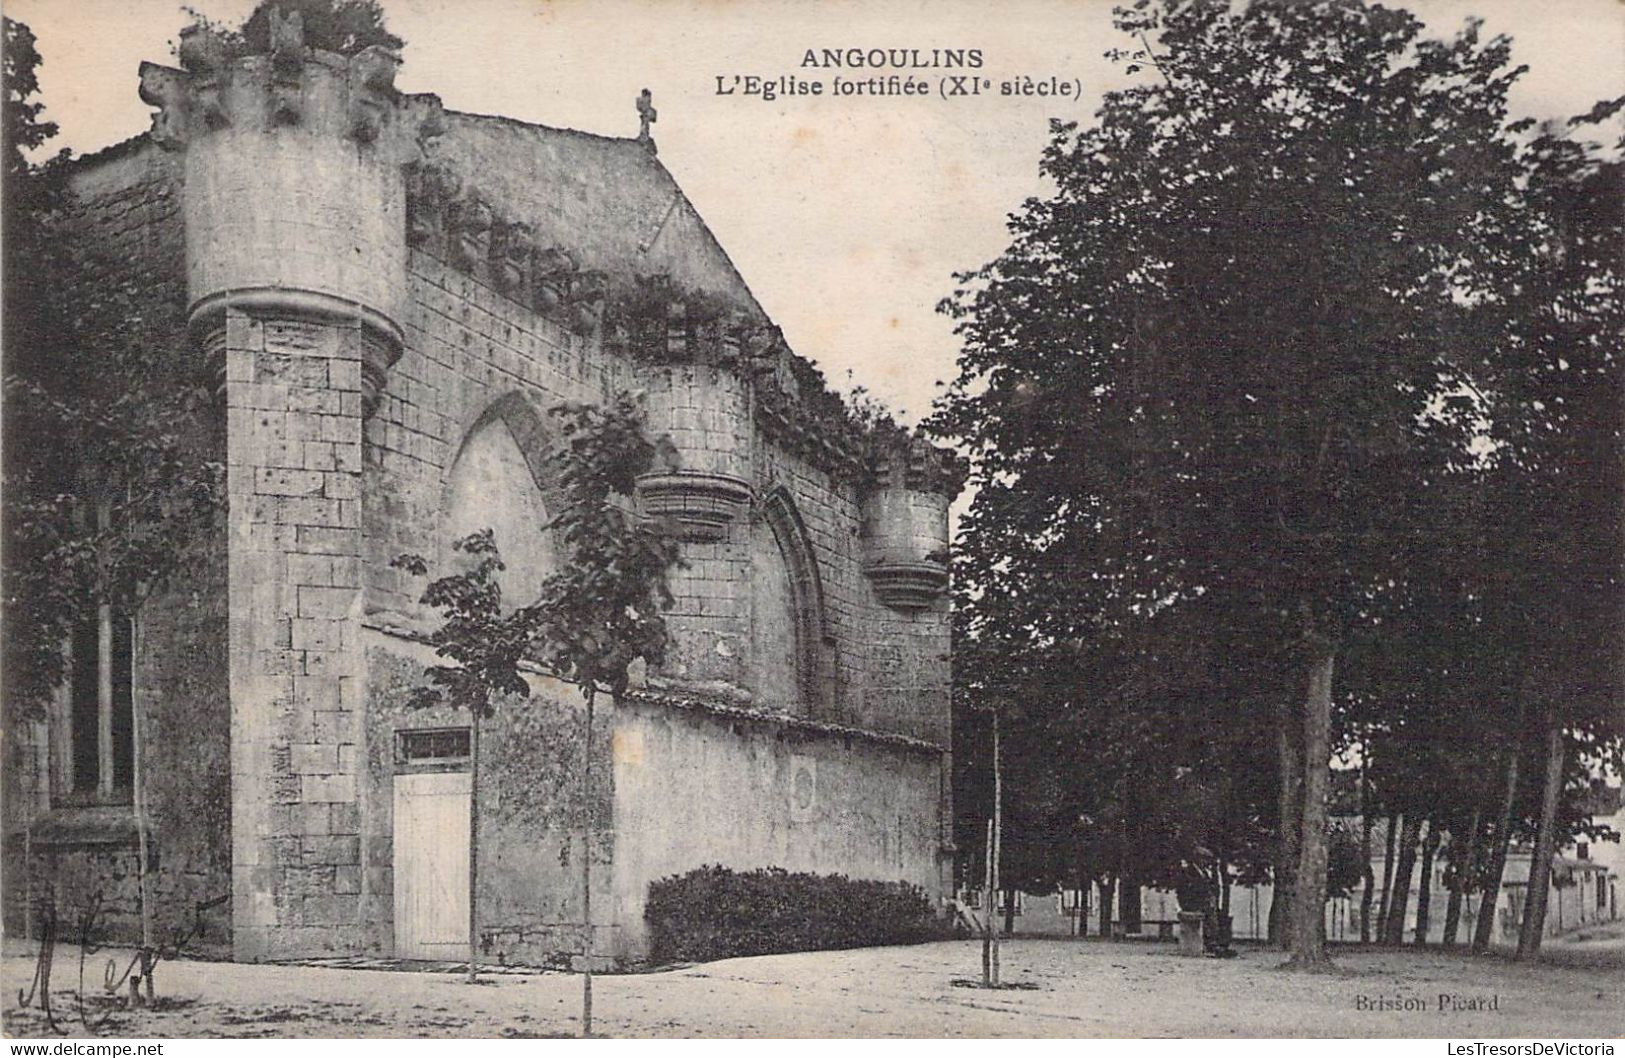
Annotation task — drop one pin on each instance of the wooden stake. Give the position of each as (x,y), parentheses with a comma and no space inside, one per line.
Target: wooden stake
(138,782)
(473,845)
(586,873)
(998,837)
(987,907)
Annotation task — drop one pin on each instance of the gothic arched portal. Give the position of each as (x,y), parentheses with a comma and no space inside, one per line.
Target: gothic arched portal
(499,481)
(787,610)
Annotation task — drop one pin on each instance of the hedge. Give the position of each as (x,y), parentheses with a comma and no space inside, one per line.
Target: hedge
(717,913)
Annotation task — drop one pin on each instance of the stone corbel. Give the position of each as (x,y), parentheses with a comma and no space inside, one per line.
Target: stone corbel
(551,276)
(701,505)
(166,89)
(422,120)
(378,355)
(372,92)
(933,469)
(762,346)
(905,585)
(203,55)
(511,252)
(707,338)
(287,67)
(732,339)
(430,191)
(470,233)
(678,346)
(587,290)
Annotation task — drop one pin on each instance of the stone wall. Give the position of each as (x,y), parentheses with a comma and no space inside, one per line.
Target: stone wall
(469,352)
(294,205)
(774,794)
(475,351)
(528,794)
(184,703)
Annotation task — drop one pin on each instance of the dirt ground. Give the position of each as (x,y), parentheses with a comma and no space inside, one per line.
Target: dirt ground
(1073,988)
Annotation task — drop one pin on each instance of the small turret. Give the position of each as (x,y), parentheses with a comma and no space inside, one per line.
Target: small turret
(700,400)
(905,521)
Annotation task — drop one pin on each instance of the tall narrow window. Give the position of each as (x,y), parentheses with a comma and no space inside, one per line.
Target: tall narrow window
(98,718)
(122,721)
(85,711)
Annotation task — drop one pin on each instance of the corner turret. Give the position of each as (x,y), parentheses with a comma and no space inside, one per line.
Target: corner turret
(295,199)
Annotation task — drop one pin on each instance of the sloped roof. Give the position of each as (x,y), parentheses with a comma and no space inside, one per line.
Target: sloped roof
(608,199)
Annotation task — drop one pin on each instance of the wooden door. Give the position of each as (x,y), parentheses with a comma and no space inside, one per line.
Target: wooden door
(431,865)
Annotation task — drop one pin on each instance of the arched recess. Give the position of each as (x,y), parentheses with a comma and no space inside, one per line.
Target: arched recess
(779,523)
(501,479)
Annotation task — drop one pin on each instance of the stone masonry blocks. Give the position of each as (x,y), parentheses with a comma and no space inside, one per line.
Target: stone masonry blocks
(295,578)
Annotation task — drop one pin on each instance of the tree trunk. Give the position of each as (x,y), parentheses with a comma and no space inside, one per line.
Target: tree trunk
(1290,813)
(1309,897)
(586,870)
(1391,832)
(1369,878)
(1540,868)
(1399,901)
(1464,871)
(998,834)
(1484,928)
(1424,891)
(1081,913)
(138,791)
(1128,905)
(988,906)
(473,846)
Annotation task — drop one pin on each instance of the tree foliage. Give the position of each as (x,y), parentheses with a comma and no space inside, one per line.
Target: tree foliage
(112,467)
(343,26)
(1241,395)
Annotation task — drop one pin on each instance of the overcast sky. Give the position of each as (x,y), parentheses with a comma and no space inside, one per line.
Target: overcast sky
(847,216)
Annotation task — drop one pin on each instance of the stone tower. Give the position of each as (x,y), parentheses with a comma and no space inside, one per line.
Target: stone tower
(294,207)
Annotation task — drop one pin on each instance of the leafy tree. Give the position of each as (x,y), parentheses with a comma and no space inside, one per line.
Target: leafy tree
(112,469)
(1562,404)
(1202,369)
(344,26)
(596,617)
(31,193)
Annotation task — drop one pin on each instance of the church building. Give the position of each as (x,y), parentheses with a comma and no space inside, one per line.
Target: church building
(390,297)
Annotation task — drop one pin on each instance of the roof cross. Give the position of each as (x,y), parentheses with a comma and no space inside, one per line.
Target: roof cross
(647,115)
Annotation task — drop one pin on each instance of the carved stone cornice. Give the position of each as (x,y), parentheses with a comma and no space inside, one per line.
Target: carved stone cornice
(451,219)
(293,189)
(702,505)
(908,585)
(352,97)
(381,339)
(908,461)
